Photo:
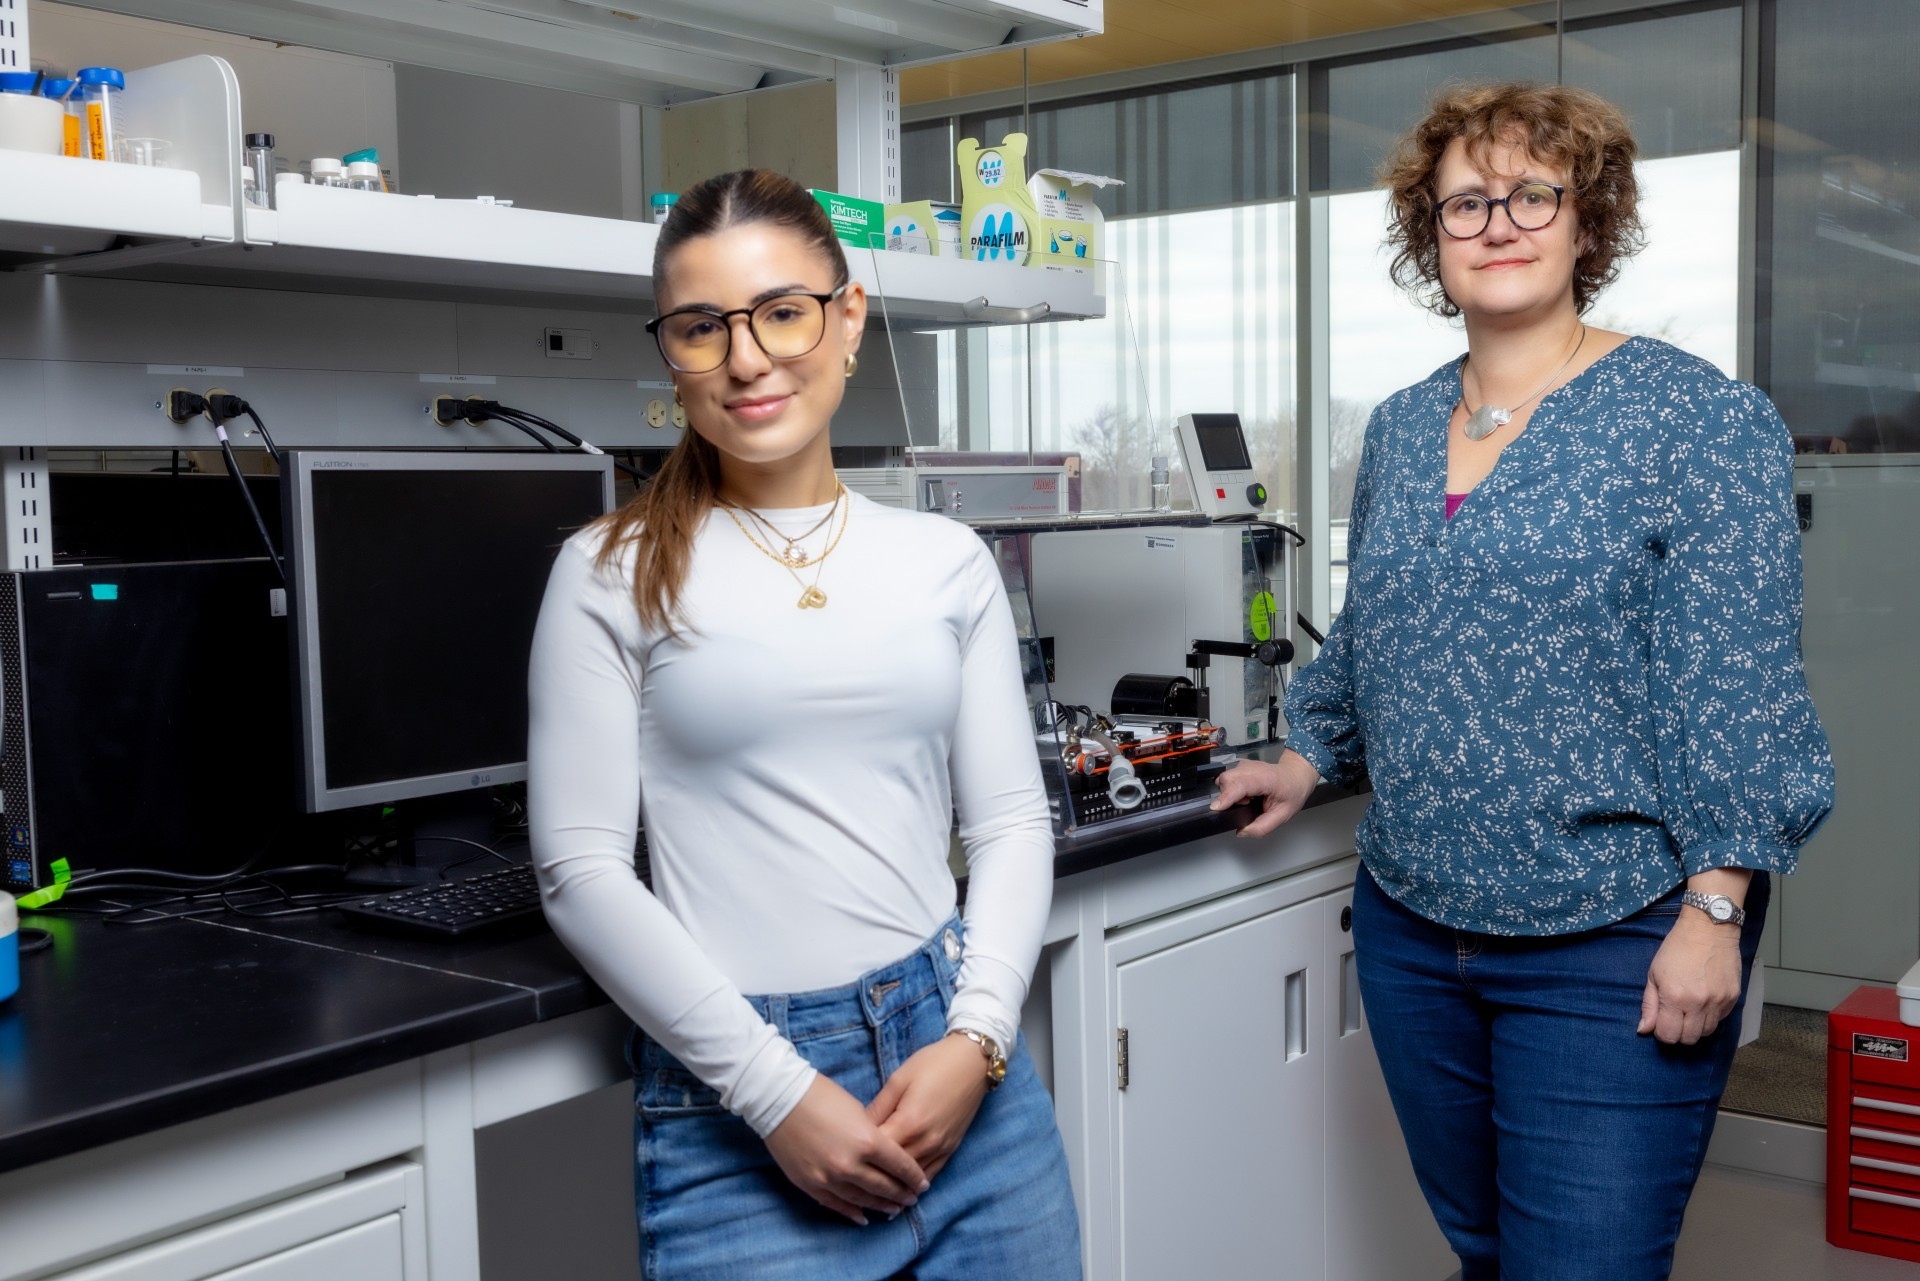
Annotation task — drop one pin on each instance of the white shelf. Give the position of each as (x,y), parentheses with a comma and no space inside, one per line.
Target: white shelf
(655,52)
(53,205)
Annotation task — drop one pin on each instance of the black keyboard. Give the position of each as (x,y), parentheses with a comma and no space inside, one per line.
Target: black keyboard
(454,909)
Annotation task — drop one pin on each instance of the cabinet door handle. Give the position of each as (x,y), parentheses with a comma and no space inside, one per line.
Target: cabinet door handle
(1349,995)
(1296,1014)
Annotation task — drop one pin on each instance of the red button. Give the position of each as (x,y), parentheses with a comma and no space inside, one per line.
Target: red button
(1219,493)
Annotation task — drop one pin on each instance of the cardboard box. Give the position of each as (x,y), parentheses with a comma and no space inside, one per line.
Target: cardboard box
(924,227)
(855,221)
(1071,226)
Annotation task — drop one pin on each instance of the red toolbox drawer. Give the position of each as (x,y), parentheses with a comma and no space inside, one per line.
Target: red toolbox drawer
(1873,1127)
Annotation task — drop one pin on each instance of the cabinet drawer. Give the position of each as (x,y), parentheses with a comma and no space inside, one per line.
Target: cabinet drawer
(1884,1214)
(1883,1145)
(1902,1177)
(1886,1113)
(304,1237)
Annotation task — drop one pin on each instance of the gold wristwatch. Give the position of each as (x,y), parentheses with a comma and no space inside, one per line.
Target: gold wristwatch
(996,1061)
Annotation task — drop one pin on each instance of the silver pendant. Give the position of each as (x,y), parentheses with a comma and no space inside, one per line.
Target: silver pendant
(1485,421)
(796,557)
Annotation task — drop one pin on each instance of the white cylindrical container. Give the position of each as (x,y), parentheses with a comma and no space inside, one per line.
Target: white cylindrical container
(327,171)
(99,93)
(28,122)
(364,175)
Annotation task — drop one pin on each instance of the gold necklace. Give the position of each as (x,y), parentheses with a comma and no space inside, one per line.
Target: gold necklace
(793,554)
(811,597)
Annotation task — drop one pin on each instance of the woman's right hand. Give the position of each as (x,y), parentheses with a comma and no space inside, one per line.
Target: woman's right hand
(835,1154)
(1283,788)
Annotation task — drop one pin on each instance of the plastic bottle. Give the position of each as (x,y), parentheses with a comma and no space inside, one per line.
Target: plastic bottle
(73,134)
(364,175)
(260,160)
(327,171)
(99,92)
(662,202)
(1161,481)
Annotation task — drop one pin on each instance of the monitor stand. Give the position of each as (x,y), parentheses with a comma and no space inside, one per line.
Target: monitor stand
(436,832)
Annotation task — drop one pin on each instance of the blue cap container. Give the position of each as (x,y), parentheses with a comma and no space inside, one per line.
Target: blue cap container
(9,947)
(108,76)
(17,81)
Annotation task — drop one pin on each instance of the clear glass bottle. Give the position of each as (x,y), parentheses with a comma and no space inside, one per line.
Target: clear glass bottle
(327,171)
(1161,481)
(265,170)
(364,175)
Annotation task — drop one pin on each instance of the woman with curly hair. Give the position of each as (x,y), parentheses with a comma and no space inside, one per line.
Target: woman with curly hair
(1569,666)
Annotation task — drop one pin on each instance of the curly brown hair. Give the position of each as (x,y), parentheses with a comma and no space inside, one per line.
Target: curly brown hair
(1571,128)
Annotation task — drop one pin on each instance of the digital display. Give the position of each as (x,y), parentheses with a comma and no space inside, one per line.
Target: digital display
(1223,446)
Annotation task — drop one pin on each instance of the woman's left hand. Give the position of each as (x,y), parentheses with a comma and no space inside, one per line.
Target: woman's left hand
(1694,982)
(927,1105)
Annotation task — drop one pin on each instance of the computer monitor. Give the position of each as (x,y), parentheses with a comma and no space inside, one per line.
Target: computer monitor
(416,582)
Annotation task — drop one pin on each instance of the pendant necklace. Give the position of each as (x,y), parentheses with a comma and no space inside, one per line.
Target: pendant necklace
(1486,420)
(811,597)
(793,554)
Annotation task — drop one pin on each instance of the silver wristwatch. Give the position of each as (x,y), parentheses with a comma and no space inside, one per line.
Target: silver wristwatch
(1720,909)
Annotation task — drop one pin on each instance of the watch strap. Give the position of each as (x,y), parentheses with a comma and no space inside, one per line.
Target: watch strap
(1720,909)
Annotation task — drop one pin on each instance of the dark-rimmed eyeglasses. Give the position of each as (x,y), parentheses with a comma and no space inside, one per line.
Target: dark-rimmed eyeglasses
(1531,206)
(697,340)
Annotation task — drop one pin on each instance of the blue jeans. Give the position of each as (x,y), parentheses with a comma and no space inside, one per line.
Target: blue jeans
(713,1205)
(1551,1141)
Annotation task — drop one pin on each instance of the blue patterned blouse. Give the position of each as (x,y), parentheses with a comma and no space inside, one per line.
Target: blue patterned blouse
(1587,684)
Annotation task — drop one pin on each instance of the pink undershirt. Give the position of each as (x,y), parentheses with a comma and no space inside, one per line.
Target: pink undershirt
(1453,504)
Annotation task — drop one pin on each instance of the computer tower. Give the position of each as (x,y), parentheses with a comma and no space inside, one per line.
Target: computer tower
(147,718)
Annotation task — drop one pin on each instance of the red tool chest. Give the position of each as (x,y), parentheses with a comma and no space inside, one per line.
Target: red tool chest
(1873,1126)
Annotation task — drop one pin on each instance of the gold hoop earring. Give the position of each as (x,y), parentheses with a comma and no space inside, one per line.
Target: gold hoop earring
(853,364)
(676,396)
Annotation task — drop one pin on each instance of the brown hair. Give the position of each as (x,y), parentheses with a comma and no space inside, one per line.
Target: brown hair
(660,521)
(1579,131)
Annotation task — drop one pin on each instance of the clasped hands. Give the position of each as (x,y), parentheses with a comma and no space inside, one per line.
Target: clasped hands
(881,1157)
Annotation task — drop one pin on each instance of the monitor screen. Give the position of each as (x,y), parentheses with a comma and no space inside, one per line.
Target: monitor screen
(1223,446)
(417,580)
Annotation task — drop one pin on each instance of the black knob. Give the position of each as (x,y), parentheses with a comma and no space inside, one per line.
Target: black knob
(1257,493)
(1346,920)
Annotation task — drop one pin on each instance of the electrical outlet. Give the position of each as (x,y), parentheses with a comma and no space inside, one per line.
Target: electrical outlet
(679,416)
(570,344)
(656,413)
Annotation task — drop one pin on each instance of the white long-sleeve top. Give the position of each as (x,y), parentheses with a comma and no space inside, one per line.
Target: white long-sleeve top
(798,770)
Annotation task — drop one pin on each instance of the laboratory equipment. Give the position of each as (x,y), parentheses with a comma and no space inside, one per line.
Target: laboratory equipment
(662,203)
(250,188)
(151,152)
(260,159)
(62,92)
(100,92)
(364,175)
(417,578)
(327,171)
(965,493)
(1220,467)
(1197,597)
(1160,484)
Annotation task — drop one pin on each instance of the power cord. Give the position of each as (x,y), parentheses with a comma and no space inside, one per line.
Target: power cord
(183,405)
(478,409)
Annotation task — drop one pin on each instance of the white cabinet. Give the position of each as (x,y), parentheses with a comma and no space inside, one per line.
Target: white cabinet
(1220,1116)
(1253,1136)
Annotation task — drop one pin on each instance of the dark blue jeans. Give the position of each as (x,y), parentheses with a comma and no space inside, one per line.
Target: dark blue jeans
(1551,1140)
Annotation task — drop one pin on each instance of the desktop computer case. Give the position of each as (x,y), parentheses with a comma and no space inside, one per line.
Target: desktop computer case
(147,717)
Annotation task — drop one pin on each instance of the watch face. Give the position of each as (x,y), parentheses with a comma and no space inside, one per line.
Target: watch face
(1721,909)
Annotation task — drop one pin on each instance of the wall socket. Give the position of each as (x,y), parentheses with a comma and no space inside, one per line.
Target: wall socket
(570,344)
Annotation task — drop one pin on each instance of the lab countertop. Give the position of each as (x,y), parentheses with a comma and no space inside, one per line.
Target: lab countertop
(119,1030)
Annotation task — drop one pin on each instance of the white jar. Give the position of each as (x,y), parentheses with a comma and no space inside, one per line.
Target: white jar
(364,175)
(327,171)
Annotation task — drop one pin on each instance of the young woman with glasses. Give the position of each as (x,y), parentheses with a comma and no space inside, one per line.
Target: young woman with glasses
(1569,666)
(799,688)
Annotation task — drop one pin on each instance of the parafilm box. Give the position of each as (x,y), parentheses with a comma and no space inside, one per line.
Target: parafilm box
(855,221)
(997,216)
(1071,229)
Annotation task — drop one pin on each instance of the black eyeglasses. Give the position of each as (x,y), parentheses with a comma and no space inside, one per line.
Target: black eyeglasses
(697,340)
(1531,206)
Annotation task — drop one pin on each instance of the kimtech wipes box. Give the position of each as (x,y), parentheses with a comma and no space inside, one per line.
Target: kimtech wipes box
(855,220)
(1070,231)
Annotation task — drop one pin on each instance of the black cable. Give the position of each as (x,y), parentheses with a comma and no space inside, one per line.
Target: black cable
(522,419)
(1309,629)
(233,470)
(265,439)
(545,444)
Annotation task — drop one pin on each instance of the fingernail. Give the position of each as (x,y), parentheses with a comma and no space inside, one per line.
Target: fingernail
(924,1185)
(861,1219)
